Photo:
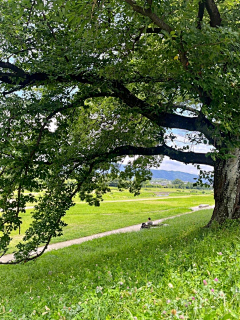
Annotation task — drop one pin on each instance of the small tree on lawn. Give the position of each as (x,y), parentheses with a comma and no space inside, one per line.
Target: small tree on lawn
(86,83)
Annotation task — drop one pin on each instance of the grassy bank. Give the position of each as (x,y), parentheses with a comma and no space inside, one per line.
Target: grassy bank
(181,271)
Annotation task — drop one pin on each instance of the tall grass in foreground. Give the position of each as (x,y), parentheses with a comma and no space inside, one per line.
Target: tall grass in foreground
(181,271)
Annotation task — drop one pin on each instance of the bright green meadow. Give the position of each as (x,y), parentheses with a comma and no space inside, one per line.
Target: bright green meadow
(122,209)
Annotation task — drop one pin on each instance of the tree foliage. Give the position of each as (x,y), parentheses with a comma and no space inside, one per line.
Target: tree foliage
(85,83)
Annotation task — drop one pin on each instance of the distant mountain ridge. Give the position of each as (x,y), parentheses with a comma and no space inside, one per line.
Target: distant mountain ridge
(172,175)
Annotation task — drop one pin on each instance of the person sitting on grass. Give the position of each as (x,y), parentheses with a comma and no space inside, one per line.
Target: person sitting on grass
(149,223)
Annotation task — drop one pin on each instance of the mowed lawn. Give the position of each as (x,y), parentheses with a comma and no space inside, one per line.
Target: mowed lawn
(122,209)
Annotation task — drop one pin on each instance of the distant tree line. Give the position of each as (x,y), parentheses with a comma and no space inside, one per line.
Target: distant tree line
(177,183)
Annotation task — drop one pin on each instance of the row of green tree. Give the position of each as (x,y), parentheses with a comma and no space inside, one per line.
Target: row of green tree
(177,183)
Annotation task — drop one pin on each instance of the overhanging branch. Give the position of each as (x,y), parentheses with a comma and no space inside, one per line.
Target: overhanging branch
(12,67)
(154,113)
(21,79)
(164,119)
(185,157)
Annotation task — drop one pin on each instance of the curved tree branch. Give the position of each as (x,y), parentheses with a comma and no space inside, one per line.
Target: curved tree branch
(22,79)
(185,157)
(127,150)
(14,68)
(164,119)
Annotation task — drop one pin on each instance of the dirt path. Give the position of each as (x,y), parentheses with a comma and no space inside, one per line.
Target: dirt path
(59,245)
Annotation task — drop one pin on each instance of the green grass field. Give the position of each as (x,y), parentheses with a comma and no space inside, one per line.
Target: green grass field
(84,220)
(156,192)
(115,194)
(181,271)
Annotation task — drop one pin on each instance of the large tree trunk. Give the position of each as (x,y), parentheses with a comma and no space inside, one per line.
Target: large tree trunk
(227,188)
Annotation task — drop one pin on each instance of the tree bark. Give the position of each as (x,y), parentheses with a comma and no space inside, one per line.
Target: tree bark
(227,188)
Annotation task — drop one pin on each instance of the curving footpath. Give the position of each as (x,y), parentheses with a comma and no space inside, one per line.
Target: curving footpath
(59,245)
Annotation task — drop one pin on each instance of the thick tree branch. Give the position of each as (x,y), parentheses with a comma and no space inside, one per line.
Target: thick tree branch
(212,9)
(201,6)
(185,157)
(128,150)
(10,66)
(22,79)
(164,119)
